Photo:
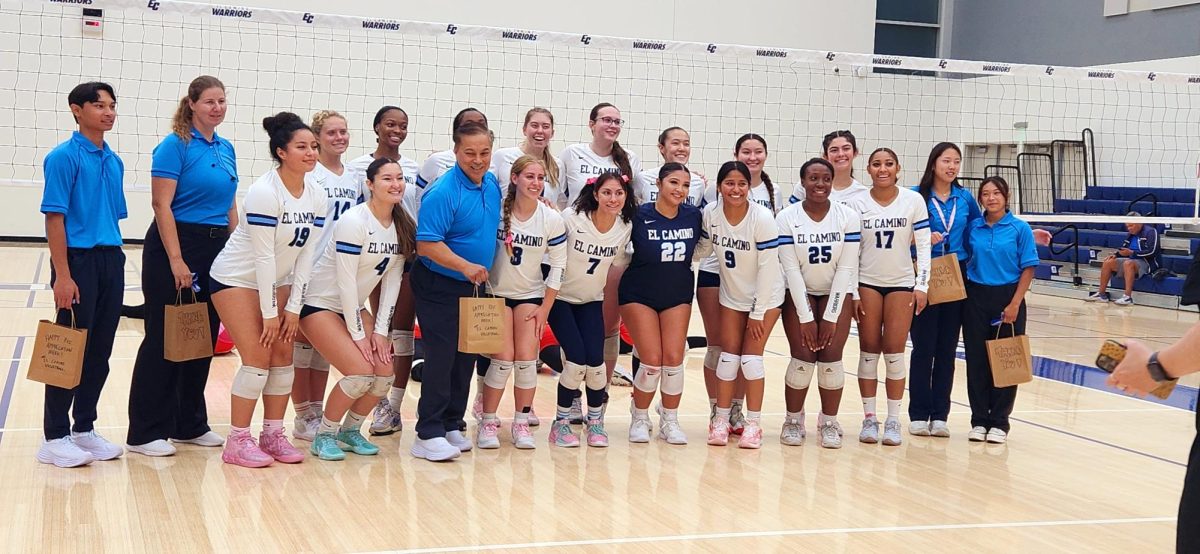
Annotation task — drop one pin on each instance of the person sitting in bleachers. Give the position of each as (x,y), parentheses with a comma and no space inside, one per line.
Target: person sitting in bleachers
(1141,254)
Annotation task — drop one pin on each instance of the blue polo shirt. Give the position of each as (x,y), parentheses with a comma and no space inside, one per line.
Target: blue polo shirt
(85,184)
(959,210)
(1000,252)
(463,215)
(205,175)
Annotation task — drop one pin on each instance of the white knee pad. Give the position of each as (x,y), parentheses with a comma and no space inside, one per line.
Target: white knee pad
(799,374)
(381,384)
(727,366)
(597,377)
(403,343)
(302,355)
(525,374)
(279,381)
(355,386)
(895,367)
(497,374)
(612,346)
(831,375)
(672,380)
(647,378)
(249,382)
(752,367)
(572,376)
(868,366)
(712,356)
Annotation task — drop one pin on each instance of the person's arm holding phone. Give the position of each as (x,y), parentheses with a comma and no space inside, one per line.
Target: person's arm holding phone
(1134,373)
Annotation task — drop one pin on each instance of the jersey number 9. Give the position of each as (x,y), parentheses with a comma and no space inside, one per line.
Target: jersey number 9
(730,260)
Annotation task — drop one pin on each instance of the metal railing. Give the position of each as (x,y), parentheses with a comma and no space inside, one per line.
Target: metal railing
(1076,279)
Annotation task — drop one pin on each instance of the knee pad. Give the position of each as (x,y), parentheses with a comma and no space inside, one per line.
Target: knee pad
(279,381)
(831,375)
(302,355)
(381,384)
(752,368)
(894,366)
(355,386)
(672,380)
(597,377)
(727,366)
(572,376)
(497,374)
(647,378)
(799,374)
(403,343)
(712,356)
(249,382)
(317,362)
(612,346)
(525,374)
(868,366)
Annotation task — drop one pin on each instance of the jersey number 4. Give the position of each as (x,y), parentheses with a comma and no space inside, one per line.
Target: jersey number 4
(300,238)
(821,254)
(382,266)
(674,251)
(340,208)
(883,239)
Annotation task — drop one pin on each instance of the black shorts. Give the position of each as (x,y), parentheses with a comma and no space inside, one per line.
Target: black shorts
(884,291)
(705,279)
(659,305)
(215,286)
(308,310)
(513,303)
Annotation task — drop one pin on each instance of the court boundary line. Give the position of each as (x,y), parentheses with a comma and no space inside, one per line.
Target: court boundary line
(778,533)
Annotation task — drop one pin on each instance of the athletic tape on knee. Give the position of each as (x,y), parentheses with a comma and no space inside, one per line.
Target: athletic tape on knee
(831,375)
(355,386)
(712,356)
(868,366)
(647,378)
(597,377)
(799,374)
(302,355)
(381,384)
(752,367)
(895,367)
(279,381)
(612,346)
(403,343)
(672,380)
(249,382)
(525,374)
(572,376)
(317,362)
(497,374)
(727,366)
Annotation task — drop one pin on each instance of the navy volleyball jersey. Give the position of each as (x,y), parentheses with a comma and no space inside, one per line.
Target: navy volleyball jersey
(660,269)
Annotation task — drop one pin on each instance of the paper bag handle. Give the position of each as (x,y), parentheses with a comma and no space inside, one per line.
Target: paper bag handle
(72,310)
(179,296)
(1001,326)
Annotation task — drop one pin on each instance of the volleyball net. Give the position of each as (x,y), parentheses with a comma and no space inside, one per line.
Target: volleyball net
(1064,137)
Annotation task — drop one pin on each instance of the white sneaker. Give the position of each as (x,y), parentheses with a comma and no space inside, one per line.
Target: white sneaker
(459,440)
(300,428)
(918,428)
(435,450)
(977,434)
(670,431)
(997,436)
(156,448)
(621,377)
(939,429)
(891,432)
(63,452)
(522,437)
(1098,297)
(385,420)
(488,435)
(870,431)
(830,438)
(793,432)
(639,430)
(1124,300)
(96,445)
(209,439)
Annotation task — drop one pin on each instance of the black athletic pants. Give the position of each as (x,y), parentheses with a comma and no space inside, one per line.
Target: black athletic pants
(990,406)
(1187,536)
(446,372)
(934,335)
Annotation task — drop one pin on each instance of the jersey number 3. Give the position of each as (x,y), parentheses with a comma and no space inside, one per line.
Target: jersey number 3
(674,251)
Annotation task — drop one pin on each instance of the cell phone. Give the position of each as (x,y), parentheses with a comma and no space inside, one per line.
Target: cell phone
(1111,354)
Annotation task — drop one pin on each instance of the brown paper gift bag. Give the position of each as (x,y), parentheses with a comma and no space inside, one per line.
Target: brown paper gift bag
(480,324)
(1010,358)
(58,354)
(945,280)
(186,335)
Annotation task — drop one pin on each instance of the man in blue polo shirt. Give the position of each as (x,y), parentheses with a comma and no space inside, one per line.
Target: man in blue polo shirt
(83,201)
(456,241)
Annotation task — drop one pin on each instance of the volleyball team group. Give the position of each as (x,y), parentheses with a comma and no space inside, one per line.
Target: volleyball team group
(331,261)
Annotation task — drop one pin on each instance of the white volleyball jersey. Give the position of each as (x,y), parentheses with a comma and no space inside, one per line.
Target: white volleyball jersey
(580,164)
(502,162)
(344,192)
(888,232)
(751,279)
(647,188)
(362,253)
(760,196)
(589,255)
(819,257)
(518,276)
(277,237)
(838,196)
(436,165)
(710,264)
(410,169)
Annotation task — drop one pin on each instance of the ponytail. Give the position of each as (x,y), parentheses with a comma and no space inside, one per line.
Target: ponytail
(506,218)
(621,158)
(770,189)
(181,122)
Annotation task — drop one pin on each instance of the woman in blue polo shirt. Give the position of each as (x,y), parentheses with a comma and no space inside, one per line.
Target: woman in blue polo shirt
(935,329)
(999,271)
(193,182)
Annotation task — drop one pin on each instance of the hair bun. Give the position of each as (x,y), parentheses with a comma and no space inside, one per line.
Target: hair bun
(280,120)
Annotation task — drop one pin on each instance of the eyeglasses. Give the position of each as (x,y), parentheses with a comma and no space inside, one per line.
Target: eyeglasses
(611,121)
